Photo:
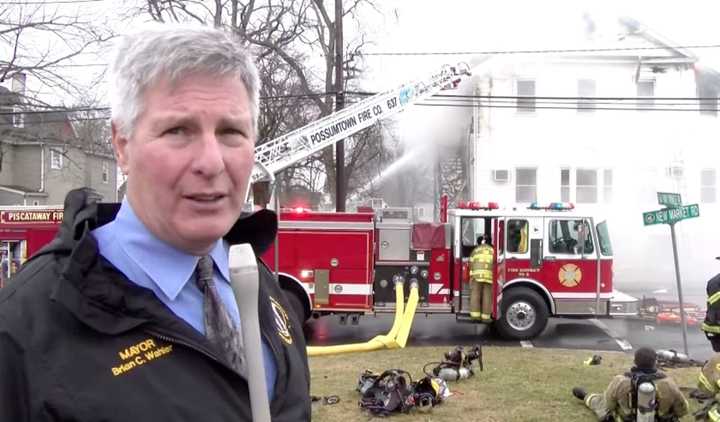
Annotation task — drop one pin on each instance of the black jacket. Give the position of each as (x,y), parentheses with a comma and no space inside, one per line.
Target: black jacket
(711,325)
(79,342)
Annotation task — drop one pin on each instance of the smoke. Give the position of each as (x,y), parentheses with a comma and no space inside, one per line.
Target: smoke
(638,147)
(425,134)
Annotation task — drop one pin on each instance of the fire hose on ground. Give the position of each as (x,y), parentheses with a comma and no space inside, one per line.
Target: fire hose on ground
(396,338)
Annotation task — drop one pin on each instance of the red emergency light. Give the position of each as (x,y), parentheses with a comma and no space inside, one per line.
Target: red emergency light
(475,205)
(295,210)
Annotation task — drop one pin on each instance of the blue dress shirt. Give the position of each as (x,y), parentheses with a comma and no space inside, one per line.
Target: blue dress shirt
(151,263)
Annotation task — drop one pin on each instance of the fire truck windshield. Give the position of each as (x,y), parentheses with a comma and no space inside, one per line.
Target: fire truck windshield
(604,239)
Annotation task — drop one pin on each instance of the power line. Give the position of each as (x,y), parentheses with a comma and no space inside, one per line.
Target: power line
(521,108)
(541,51)
(50,2)
(522,97)
(80,65)
(107,108)
(554,97)
(529,109)
(60,110)
(582,101)
(497,101)
(561,101)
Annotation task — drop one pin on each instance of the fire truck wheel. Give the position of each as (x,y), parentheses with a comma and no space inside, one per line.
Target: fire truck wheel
(524,314)
(296,305)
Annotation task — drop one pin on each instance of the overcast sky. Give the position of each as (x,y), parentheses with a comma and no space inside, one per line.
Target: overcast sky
(472,25)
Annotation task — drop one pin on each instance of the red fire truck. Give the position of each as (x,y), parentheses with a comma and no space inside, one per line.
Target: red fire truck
(549,261)
(24,230)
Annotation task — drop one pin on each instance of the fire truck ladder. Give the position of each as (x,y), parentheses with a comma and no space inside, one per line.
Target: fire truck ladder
(280,153)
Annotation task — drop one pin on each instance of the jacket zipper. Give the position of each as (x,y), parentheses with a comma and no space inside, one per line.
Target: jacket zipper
(205,352)
(188,345)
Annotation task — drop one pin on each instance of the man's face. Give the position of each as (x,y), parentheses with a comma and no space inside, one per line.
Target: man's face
(189,159)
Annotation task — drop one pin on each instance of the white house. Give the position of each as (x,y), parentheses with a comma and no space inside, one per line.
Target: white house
(642,131)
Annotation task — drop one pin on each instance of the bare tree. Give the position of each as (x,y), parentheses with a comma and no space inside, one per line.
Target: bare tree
(289,35)
(91,126)
(37,40)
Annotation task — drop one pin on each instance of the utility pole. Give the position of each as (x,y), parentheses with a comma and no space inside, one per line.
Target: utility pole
(339,104)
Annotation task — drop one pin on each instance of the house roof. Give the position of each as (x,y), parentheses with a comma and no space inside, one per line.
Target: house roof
(22,190)
(609,39)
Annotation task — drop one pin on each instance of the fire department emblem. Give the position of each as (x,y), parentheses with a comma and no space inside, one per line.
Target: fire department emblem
(282,322)
(570,275)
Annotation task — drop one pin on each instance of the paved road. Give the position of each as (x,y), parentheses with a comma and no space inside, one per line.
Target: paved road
(593,334)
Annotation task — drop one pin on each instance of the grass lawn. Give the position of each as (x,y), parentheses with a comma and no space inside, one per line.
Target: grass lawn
(517,384)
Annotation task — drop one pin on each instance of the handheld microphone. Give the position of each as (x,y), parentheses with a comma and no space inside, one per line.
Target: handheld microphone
(244,279)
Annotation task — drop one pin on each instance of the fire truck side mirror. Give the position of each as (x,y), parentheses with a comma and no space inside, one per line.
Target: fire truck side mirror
(536,256)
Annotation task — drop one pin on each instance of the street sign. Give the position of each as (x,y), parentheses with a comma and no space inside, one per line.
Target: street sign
(655,217)
(684,212)
(671,215)
(672,200)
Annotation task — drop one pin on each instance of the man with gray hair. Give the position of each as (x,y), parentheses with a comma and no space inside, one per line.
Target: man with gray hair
(128,315)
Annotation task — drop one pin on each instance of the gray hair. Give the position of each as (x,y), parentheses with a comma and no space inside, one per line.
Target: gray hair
(174,52)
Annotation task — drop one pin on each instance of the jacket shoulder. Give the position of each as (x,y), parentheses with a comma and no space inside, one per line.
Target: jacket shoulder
(713,364)
(28,291)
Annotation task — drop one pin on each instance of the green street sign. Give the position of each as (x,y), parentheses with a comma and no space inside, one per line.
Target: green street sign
(684,212)
(671,200)
(655,217)
(671,215)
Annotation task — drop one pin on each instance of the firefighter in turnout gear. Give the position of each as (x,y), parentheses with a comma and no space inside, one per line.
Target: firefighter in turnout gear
(711,325)
(644,390)
(709,386)
(481,278)
(709,378)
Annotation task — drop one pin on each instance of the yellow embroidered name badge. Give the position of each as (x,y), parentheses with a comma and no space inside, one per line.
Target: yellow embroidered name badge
(139,354)
(282,322)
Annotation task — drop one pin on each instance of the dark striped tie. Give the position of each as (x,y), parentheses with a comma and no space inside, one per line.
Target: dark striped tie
(219,328)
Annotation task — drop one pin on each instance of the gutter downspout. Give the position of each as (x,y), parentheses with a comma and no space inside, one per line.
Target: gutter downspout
(42,167)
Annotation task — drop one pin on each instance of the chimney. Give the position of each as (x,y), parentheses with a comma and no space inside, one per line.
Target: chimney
(18,83)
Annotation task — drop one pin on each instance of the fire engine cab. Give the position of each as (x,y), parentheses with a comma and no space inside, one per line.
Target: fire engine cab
(548,261)
(23,231)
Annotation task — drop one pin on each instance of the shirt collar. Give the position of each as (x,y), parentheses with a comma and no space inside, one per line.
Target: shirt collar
(168,267)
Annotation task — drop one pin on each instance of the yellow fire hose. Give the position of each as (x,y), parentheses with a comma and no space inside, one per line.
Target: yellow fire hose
(394,339)
(408,314)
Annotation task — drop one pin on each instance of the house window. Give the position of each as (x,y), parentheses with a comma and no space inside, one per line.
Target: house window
(105,172)
(565,185)
(18,117)
(708,178)
(526,88)
(646,94)
(586,92)
(56,159)
(607,185)
(525,185)
(586,186)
